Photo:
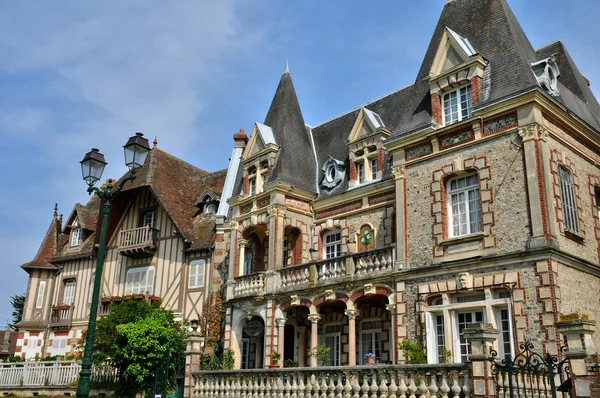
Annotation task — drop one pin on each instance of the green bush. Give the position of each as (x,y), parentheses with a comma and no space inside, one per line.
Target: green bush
(413,352)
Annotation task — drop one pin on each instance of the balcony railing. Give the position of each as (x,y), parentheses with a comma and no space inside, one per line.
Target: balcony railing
(138,242)
(377,381)
(61,316)
(295,276)
(331,268)
(250,285)
(371,261)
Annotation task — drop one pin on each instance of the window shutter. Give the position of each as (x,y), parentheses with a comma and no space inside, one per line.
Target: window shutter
(431,340)
(200,274)
(41,292)
(150,280)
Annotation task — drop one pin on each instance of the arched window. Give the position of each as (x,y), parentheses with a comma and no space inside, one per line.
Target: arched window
(567,195)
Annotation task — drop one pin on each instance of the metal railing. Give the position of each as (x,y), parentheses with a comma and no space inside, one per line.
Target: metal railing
(50,373)
(376,381)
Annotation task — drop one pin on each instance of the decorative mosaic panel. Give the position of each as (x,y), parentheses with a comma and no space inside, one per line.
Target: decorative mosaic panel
(297,204)
(454,139)
(500,124)
(246,209)
(346,207)
(417,151)
(262,202)
(382,197)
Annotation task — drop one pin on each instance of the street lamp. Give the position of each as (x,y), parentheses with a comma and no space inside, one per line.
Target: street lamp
(92,166)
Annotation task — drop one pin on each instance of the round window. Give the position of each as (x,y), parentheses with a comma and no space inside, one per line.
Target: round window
(330,173)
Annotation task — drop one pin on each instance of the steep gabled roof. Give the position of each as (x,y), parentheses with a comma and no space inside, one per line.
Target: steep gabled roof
(287,123)
(176,185)
(49,245)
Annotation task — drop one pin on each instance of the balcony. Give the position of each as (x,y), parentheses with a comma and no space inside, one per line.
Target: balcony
(138,242)
(61,316)
(365,381)
(250,285)
(343,268)
(105,302)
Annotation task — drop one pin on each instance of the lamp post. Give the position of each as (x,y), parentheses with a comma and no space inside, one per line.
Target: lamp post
(92,166)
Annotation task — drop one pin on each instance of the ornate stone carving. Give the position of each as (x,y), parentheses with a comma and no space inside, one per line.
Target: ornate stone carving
(464,280)
(314,318)
(242,242)
(294,300)
(527,132)
(418,151)
(329,295)
(398,171)
(334,173)
(351,314)
(370,289)
(547,73)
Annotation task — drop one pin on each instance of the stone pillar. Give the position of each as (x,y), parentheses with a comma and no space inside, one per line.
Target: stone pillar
(301,346)
(351,314)
(314,336)
(393,331)
(280,337)
(193,351)
(481,336)
(581,354)
(400,179)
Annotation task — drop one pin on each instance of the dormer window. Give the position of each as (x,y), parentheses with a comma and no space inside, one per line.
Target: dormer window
(457,105)
(149,218)
(257,177)
(374,169)
(76,236)
(360,172)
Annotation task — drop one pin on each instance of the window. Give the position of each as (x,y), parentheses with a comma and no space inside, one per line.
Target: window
(360,172)
(370,339)
(40,296)
(457,105)
(252,186)
(567,196)
(76,235)
(597,195)
(464,207)
(446,322)
(373,164)
(59,345)
(140,280)
(332,244)
(196,278)
(69,293)
(92,279)
(149,219)
(332,337)
(248,257)
(286,251)
(32,342)
(263,180)
(245,353)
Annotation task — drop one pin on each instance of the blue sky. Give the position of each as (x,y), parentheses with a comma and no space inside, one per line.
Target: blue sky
(90,74)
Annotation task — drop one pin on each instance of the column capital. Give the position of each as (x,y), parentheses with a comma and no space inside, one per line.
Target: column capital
(391,308)
(281,321)
(351,314)
(527,132)
(242,242)
(314,318)
(398,172)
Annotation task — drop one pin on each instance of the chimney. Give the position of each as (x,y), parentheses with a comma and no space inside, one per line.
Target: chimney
(240,139)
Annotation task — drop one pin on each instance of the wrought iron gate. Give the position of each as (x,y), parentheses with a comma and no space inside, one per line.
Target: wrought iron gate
(530,374)
(165,381)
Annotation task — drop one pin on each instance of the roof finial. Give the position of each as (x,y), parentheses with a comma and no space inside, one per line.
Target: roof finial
(56,209)
(287,67)
(155,142)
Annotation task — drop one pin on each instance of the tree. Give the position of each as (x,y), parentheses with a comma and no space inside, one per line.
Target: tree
(137,338)
(17,302)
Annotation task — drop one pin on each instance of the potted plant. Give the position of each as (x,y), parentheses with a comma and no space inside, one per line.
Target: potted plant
(275,356)
(321,353)
(370,358)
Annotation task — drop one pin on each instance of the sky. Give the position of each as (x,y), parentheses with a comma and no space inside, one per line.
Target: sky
(77,75)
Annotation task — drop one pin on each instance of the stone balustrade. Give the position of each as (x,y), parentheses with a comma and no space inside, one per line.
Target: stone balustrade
(331,268)
(295,276)
(376,260)
(376,381)
(250,285)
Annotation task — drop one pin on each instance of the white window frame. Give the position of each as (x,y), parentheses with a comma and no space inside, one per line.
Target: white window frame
(360,172)
(133,286)
(197,274)
(76,235)
(373,165)
(457,334)
(460,105)
(335,351)
(333,248)
(69,291)
(149,218)
(373,334)
(453,199)
(491,307)
(569,201)
(59,345)
(91,293)
(32,343)
(263,179)
(39,301)
(252,183)
(286,250)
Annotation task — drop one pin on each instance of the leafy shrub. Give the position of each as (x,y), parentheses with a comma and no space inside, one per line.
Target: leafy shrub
(413,352)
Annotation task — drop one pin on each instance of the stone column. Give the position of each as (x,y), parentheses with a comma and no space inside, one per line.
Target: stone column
(193,350)
(280,336)
(393,331)
(351,314)
(581,353)
(481,336)
(301,346)
(399,172)
(314,336)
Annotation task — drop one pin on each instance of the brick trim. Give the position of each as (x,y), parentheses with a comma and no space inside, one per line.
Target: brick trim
(593,184)
(557,159)
(439,205)
(436,109)
(475,90)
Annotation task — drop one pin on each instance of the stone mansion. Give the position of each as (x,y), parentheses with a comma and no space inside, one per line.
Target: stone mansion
(470,195)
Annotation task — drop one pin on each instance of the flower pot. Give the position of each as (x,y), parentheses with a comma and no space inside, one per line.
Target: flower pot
(371,361)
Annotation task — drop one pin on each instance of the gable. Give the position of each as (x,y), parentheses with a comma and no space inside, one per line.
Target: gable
(261,137)
(453,51)
(367,122)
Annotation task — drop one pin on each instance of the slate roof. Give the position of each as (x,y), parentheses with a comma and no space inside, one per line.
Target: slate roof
(295,164)
(48,247)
